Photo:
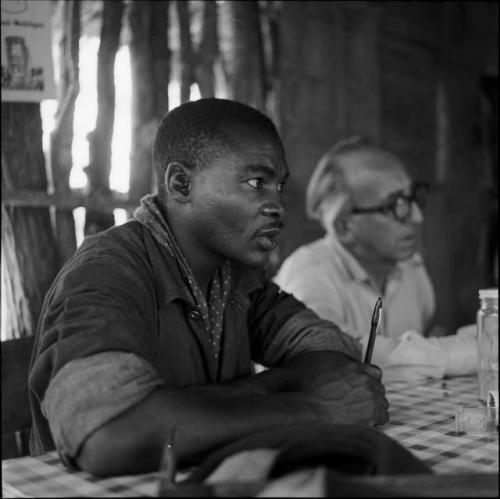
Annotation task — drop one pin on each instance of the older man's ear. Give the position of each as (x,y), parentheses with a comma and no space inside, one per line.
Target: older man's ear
(342,226)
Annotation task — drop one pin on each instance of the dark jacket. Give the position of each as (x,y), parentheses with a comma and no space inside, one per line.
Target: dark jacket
(123,291)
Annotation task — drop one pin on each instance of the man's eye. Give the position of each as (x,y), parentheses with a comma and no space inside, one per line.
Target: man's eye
(281,186)
(256,183)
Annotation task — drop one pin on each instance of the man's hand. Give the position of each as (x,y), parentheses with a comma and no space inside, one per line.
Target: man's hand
(339,389)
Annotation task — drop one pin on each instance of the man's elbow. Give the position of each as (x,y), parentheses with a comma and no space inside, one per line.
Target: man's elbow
(96,455)
(106,453)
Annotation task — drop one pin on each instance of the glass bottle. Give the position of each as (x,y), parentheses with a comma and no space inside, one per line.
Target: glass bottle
(487,337)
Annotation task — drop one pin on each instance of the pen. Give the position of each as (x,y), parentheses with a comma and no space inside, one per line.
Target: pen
(377,314)
(168,463)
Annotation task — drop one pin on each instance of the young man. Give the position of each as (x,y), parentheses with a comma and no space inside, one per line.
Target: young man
(154,325)
(371,212)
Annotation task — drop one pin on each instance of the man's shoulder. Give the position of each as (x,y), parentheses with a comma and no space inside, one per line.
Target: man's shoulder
(314,258)
(128,234)
(119,247)
(122,241)
(310,251)
(126,255)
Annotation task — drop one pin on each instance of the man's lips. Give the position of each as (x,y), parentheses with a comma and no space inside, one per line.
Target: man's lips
(409,239)
(267,235)
(273,228)
(270,232)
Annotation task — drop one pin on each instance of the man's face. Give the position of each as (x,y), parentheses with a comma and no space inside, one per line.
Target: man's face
(380,237)
(236,210)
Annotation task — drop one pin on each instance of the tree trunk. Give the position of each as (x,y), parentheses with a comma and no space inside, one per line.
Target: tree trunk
(243,55)
(29,250)
(208,50)
(62,136)
(100,138)
(185,51)
(149,60)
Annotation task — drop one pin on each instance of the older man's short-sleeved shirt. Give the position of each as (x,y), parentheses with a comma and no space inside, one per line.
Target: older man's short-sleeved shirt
(123,292)
(330,281)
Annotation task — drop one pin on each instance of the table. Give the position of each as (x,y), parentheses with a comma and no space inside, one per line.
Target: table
(422,418)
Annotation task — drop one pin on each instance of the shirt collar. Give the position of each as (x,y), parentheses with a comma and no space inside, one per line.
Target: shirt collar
(171,286)
(349,262)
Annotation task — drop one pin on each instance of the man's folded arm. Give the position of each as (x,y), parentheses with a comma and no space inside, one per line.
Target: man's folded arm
(120,425)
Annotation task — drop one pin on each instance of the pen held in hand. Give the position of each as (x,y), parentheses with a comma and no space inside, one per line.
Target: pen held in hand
(168,463)
(377,314)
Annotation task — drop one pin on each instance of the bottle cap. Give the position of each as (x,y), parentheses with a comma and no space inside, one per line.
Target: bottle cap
(488,293)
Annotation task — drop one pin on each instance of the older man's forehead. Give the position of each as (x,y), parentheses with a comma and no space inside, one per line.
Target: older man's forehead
(362,166)
(374,177)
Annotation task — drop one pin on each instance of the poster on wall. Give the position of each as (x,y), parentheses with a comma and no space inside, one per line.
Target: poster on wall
(27,73)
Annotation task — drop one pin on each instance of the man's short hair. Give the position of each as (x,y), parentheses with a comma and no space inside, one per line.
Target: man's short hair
(194,133)
(328,190)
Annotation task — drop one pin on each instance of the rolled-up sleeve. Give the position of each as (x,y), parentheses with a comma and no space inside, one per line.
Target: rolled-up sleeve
(88,392)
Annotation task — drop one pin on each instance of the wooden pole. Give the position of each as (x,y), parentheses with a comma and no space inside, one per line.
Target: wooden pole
(100,138)
(161,56)
(62,136)
(186,50)
(271,22)
(149,60)
(208,50)
(244,57)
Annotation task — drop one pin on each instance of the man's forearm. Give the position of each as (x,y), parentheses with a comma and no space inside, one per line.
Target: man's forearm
(313,386)
(205,417)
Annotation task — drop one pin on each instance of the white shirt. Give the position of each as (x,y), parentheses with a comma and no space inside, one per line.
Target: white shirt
(330,281)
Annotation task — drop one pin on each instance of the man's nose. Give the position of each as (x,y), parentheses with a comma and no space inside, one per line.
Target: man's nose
(274,209)
(417,217)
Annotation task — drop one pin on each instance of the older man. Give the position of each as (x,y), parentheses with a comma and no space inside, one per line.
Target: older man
(154,325)
(371,211)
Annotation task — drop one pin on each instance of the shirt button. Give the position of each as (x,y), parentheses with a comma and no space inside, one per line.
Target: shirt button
(235,304)
(195,315)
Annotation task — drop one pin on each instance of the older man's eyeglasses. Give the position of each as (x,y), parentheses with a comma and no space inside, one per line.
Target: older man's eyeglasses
(399,203)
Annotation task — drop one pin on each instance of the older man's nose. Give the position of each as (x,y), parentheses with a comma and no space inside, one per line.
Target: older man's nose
(417,217)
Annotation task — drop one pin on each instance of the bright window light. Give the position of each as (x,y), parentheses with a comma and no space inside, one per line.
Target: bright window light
(85,117)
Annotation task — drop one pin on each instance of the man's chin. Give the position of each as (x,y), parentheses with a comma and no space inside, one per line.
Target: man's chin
(256,259)
(406,253)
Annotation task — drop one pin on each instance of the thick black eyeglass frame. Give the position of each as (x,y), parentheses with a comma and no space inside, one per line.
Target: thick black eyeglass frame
(400,204)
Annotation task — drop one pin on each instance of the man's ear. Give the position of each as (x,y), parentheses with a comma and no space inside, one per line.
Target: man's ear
(178,182)
(342,225)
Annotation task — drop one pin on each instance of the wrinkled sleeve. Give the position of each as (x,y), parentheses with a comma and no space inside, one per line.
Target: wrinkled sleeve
(101,301)
(113,381)
(282,326)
